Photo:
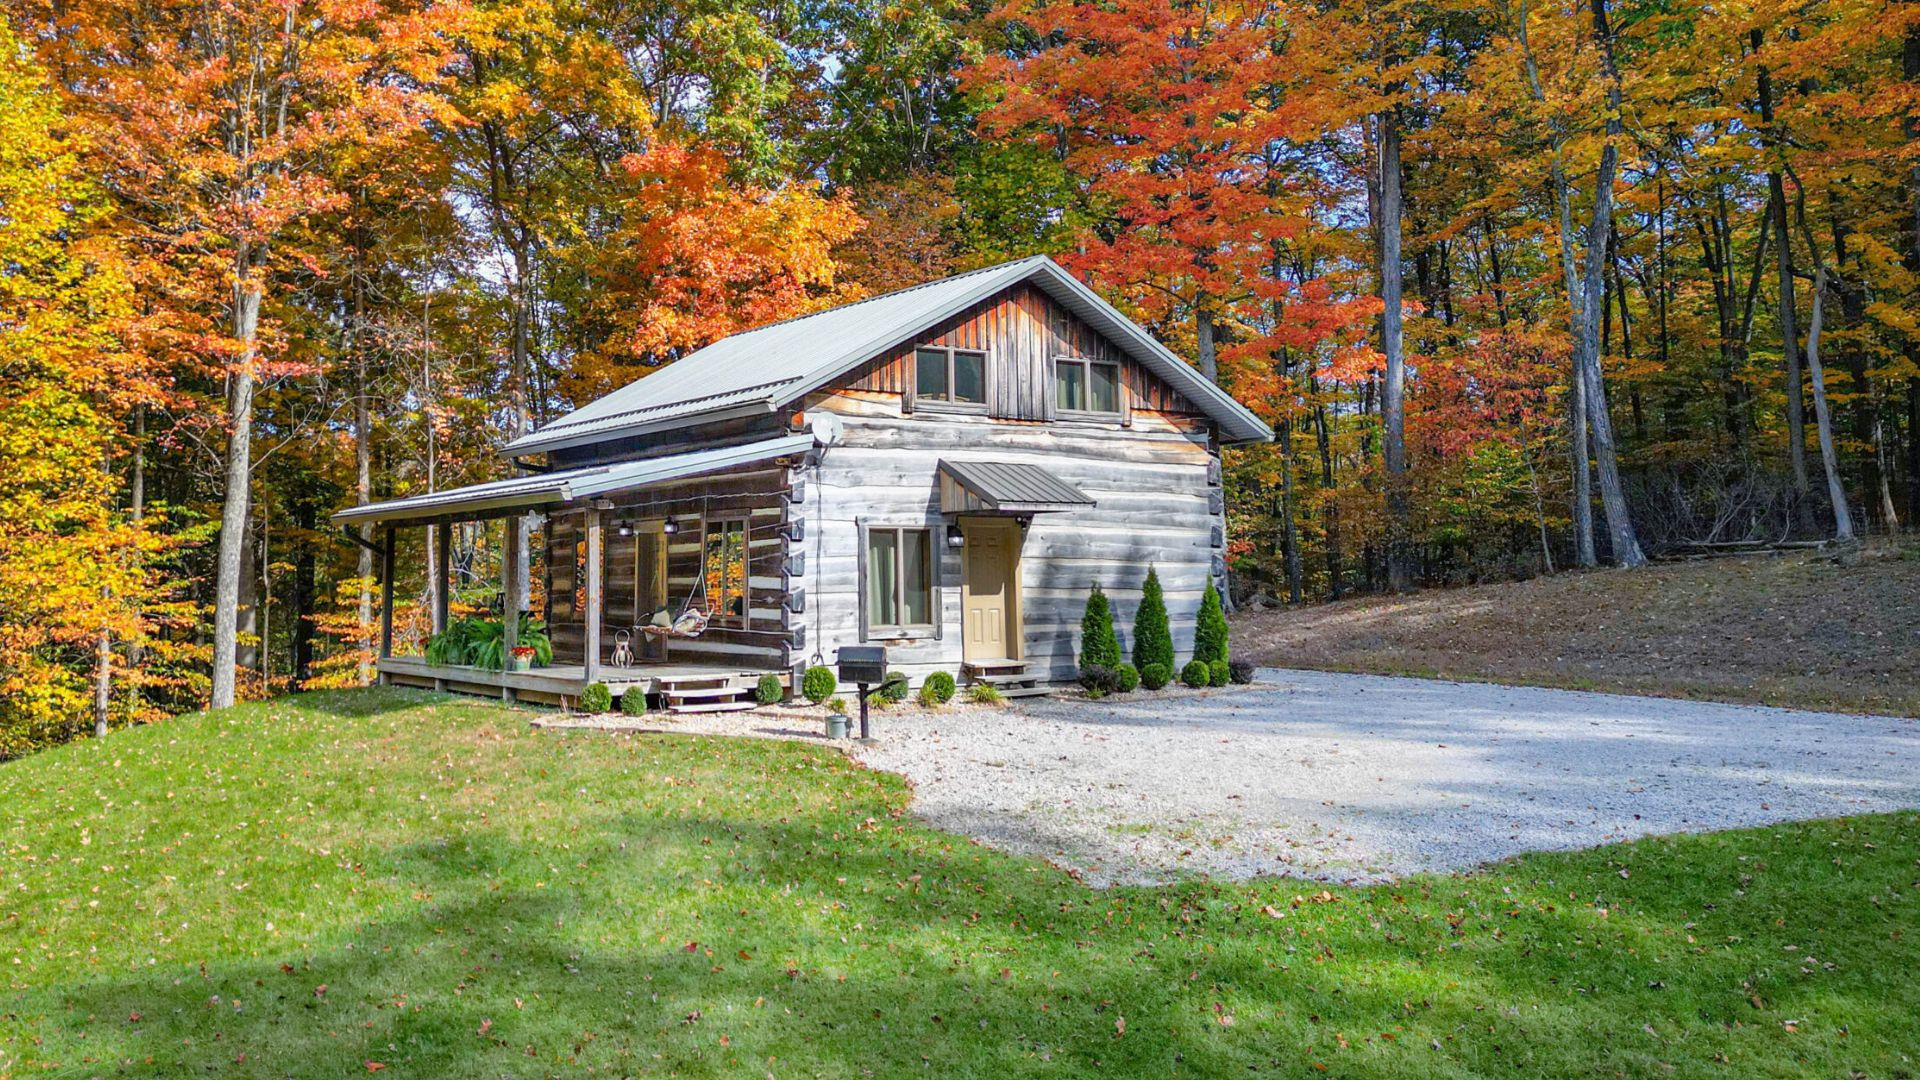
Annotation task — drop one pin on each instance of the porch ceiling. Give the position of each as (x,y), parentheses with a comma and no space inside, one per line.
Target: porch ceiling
(497,498)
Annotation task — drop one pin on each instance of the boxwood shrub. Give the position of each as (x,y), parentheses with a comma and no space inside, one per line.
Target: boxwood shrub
(1156,676)
(818,684)
(1196,674)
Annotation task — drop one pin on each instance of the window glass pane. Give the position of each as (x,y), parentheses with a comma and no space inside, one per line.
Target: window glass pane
(882,574)
(970,377)
(930,378)
(916,567)
(726,582)
(1070,383)
(1103,388)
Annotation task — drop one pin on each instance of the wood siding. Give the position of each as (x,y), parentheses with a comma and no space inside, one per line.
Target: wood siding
(1154,486)
(1015,329)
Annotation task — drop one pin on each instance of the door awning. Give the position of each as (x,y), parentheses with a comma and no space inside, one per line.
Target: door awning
(497,498)
(1005,487)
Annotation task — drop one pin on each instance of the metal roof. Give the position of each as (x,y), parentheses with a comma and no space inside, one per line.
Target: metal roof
(764,369)
(571,484)
(1013,487)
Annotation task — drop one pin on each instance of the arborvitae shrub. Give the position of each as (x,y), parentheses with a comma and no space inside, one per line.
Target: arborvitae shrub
(1152,635)
(1099,647)
(1210,628)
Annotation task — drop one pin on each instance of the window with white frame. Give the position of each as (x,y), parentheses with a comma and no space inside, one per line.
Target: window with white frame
(899,580)
(1086,386)
(948,375)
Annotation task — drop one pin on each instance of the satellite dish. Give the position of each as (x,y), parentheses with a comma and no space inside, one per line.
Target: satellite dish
(826,427)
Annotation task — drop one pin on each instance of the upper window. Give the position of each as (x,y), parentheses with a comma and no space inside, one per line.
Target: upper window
(726,571)
(899,580)
(1091,386)
(951,375)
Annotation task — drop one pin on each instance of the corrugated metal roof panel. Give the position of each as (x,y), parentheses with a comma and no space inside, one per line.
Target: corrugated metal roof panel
(571,484)
(776,364)
(1015,486)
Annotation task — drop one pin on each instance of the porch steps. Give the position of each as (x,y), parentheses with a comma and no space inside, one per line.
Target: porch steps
(1010,677)
(707,693)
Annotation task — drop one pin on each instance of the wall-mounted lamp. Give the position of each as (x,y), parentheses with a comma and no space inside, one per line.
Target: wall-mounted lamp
(956,538)
(670,527)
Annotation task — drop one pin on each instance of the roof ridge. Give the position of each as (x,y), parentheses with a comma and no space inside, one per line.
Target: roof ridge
(891,293)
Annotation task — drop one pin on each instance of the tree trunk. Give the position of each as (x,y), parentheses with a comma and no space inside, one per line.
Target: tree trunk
(1783,263)
(1204,343)
(1335,585)
(305,568)
(1823,419)
(522,595)
(1393,392)
(234,508)
(1626,545)
(362,482)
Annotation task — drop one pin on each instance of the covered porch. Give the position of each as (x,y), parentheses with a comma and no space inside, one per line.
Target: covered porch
(604,559)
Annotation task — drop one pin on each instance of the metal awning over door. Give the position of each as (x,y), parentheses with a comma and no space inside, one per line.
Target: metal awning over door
(1005,487)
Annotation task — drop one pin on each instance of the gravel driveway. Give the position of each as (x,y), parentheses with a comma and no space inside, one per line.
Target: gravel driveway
(1361,778)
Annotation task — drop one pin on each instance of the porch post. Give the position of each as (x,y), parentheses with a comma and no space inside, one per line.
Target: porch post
(510,560)
(438,568)
(386,597)
(442,574)
(596,603)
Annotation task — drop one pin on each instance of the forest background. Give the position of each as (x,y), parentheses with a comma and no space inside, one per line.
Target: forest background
(1521,287)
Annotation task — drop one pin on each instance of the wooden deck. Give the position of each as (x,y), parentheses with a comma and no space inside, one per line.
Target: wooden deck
(557,685)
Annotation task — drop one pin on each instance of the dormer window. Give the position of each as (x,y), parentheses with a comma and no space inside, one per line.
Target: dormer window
(949,376)
(1086,386)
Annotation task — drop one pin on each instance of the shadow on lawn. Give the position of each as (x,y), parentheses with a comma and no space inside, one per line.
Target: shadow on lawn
(703,945)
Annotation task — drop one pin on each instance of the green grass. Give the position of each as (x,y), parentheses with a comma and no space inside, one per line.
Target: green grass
(322,885)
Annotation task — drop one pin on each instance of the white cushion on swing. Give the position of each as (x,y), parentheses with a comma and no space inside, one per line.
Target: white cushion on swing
(691,621)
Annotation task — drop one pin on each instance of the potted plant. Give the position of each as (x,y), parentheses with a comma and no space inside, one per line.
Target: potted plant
(523,657)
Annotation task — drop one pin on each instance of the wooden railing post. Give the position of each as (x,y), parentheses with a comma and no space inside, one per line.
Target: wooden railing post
(386,598)
(596,602)
(510,560)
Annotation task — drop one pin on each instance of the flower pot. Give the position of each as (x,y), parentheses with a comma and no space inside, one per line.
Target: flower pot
(836,726)
(523,663)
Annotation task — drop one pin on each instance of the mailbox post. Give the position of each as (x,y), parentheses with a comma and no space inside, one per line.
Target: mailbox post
(866,667)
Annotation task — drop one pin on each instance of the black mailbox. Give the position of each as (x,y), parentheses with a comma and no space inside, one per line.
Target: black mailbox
(863,664)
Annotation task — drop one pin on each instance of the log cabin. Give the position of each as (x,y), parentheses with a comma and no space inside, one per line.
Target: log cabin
(946,470)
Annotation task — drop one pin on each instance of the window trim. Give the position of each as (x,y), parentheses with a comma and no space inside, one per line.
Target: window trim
(715,617)
(915,402)
(1086,381)
(935,584)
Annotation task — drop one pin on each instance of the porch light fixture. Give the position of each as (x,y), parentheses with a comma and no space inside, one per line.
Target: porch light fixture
(955,537)
(623,530)
(670,527)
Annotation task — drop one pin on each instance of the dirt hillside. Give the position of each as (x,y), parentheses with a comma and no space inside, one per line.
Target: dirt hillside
(1798,629)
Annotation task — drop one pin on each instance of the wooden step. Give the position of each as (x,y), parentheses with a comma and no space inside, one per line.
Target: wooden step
(984,667)
(711,706)
(1004,681)
(674,692)
(670,683)
(1025,691)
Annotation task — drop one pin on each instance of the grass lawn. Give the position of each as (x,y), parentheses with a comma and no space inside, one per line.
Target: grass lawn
(1801,630)
(390,881)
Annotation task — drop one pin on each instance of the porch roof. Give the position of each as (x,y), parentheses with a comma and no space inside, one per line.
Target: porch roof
(1007,487)
(497,498)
